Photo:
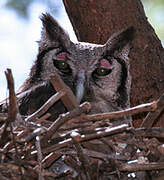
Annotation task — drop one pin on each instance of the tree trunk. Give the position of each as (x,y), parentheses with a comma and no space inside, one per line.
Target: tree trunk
(94,21)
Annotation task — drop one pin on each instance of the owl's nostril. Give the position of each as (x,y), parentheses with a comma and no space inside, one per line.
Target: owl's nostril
(80,84)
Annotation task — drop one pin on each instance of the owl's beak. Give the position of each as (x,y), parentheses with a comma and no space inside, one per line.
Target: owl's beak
(80,85)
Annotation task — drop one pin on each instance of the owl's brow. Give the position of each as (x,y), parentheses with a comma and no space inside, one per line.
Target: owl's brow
(97,60)
(45,51)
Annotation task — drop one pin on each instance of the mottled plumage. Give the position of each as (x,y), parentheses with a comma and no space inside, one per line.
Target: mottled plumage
(95,73)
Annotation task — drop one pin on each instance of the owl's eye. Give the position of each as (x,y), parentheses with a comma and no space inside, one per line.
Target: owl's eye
(102,71)
(60,62)
(62,66)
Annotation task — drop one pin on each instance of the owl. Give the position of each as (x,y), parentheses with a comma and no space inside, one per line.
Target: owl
(95,73)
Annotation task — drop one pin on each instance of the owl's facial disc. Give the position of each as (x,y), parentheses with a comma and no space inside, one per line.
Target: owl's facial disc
(102,68)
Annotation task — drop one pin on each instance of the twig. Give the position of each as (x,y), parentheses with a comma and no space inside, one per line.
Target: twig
(68,99)
(100,155)
(48,174)
(83,158)
(152,116)
(19,136)
(46,105)
(83,108)
(72,163)
(153,132)
(95,144)
(111,115)
(141,167)
(13,108)
(49,159)
(43,118)
(35,133)
(39,153)
(13,112)
(69,142)
(17,157)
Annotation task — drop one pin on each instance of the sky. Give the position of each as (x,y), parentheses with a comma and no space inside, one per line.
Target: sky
(18,47)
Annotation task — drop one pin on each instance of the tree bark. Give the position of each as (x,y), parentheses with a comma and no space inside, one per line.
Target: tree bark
(95,21)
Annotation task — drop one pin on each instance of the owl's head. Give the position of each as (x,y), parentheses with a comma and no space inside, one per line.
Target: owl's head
(96,73)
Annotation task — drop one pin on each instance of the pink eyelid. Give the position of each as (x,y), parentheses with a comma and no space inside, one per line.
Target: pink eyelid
(61,56)
(105,63)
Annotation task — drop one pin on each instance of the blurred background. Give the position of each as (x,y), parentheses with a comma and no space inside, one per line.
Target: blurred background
(20,28)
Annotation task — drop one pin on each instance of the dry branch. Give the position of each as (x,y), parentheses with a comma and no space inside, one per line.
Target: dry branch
(131,111)
(68,142)
(82,157)
(79,145)
(151,132)
(39,153)
(46,106)
(13,108)
(69,99)
(141,167)
(152,116)
(83,108)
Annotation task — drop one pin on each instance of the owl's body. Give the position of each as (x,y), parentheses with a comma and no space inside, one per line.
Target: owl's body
(95,73)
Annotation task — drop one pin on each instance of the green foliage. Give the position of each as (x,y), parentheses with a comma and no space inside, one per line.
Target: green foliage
(20,6)
(155,12)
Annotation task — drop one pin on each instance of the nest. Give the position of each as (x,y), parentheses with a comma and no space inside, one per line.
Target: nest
(77,145)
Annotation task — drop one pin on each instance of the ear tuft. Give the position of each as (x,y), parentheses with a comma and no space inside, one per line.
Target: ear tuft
(120,39)
(128,33)
(50,26)
(52,31)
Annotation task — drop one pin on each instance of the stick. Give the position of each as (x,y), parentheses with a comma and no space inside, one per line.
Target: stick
(39,153)
(111,115)
(35,133)
(141,167)
(49,159)
(63,118)
(152,116)
(69,142)
(43,118)
(13,108)
(72,163)
(46,105)
(69,98)
(153,132)
(83,158)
